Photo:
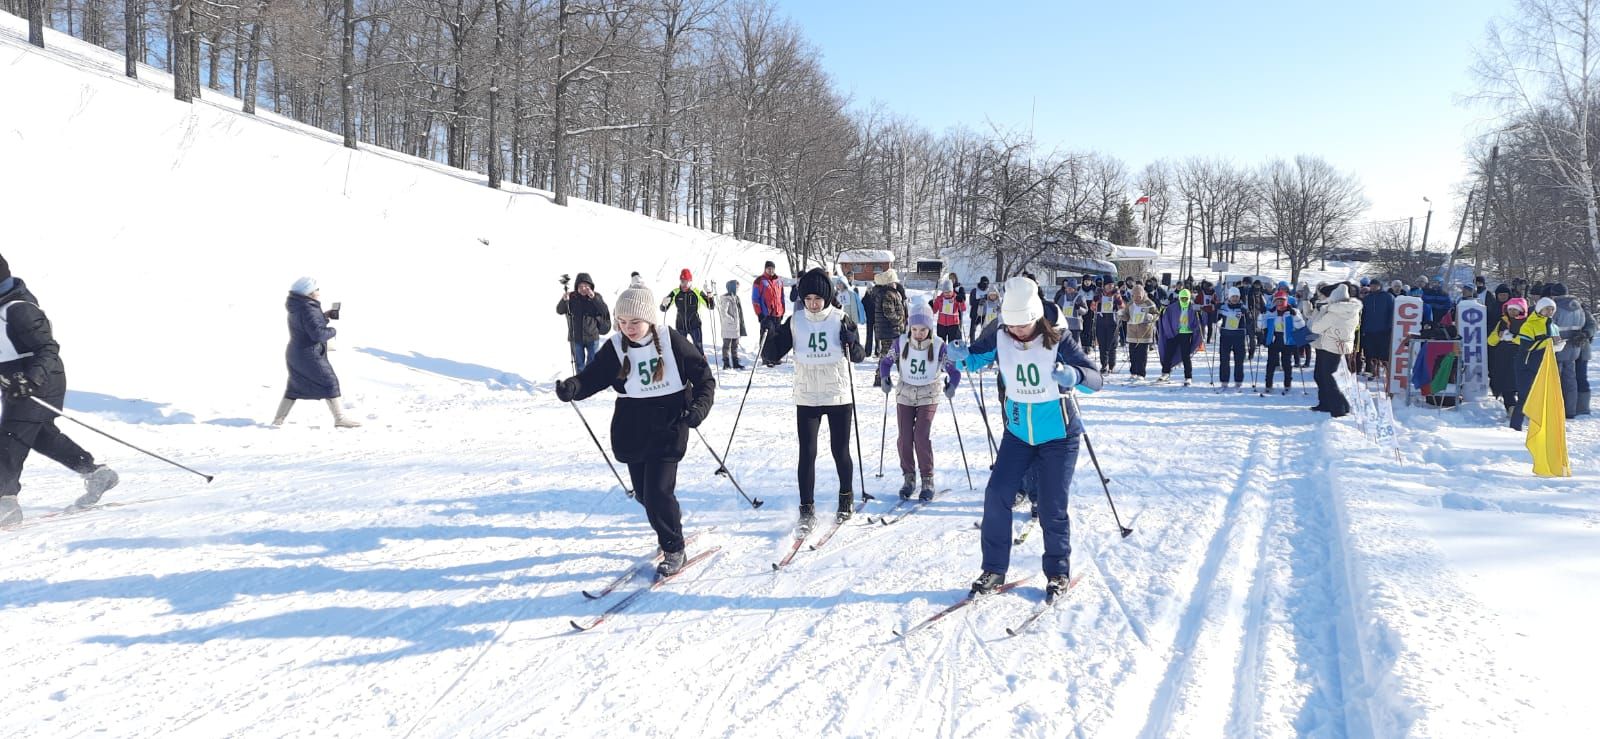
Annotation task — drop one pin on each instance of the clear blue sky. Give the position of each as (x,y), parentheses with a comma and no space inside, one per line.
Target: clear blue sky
(1372,86)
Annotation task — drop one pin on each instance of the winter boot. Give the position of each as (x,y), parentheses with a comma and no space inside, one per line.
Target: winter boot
(808,518)
(1516,418)
(95,484)
(10,512)
(1164,377)
(340,421)
(986,583)
(927,489)
(1056,587)
(1583,404)
(283,411)
(736,364)
(909,486)
(671,563)
(847,503)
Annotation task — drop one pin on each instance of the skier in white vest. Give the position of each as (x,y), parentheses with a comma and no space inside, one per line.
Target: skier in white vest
(1037,360)
(30,368)
(825,342)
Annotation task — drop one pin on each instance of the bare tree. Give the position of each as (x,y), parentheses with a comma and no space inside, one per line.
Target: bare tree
(1308,203)
(1541,66)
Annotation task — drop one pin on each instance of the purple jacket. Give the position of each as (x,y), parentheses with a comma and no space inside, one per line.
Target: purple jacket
(886,365)
(1167,327)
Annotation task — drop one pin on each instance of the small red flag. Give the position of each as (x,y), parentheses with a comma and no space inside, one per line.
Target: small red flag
(1142,200)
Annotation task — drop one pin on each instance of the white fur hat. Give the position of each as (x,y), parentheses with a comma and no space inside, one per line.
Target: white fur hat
(1021,305)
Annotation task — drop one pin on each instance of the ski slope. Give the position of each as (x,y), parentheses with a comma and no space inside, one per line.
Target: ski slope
(416,577)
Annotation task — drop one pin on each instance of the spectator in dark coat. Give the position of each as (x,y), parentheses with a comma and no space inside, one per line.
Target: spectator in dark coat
(1377,328)
(311,377)
(588,319)
(31,368)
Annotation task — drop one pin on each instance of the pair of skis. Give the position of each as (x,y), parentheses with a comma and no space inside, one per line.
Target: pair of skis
(905,507)
(638,593)
(801,537)
(1042,607)
(73,510)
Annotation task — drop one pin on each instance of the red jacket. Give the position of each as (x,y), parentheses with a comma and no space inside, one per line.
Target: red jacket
(949,310)
(766,295)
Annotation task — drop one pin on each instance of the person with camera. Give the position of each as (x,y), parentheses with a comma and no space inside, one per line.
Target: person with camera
(311,377)
(588,319)
(664,388)
(30,368)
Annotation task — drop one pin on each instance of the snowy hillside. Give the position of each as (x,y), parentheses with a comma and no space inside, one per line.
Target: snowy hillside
(417,577)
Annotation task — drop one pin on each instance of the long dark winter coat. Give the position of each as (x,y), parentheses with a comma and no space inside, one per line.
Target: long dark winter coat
(29,331)
(310,375)
(652,429)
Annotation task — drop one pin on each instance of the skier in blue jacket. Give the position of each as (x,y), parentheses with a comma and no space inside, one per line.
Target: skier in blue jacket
(1038,360)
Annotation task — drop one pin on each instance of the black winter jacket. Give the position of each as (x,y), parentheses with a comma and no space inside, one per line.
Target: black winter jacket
(29,331)
(311,377)
(590,320)
(652,429)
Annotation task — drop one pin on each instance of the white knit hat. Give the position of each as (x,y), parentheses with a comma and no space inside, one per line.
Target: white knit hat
(921,314)
(637,303)
(1233,292)
(1021,305)
(304,286)
(1542,304)
(946,286)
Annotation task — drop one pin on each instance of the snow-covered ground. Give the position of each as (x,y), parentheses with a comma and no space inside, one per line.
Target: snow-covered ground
(416,577)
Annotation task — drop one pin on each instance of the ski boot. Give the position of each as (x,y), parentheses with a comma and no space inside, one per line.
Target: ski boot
(95,484)
(671,563)
(10,512)
(1165,376)
(847,502)
(808,519)
(927,489)
(909,487)
(1056,587)
(986,584)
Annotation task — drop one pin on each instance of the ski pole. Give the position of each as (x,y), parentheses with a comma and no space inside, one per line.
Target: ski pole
(855,418)
(883,433)
(602,449)
(977,392)
(753,365)
(957,423)
(1105,482)
(63,414)
(722,470)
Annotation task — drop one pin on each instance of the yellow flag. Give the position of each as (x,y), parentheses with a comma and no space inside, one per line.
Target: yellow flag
(1547,420)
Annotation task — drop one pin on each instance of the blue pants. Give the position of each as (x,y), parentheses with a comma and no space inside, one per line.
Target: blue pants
(1057,459)
(1232,349)
(583,352)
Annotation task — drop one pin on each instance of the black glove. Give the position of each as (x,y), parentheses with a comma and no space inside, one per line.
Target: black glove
(848,335)
(567,389)
(693,417)
(333,315)
(21,386)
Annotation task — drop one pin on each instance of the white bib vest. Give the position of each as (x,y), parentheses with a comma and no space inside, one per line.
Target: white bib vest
(8,352)
(920,367)
(817,342)
(1027,371)
(642,361)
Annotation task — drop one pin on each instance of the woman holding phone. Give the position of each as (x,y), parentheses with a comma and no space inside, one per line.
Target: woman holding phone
(311,377)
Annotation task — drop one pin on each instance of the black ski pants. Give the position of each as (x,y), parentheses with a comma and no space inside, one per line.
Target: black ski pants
(22,431)
(808,421)
(1106,337)
(1232,351)
(1329,399)
(1137,354)
(1279,355)
(655,484)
